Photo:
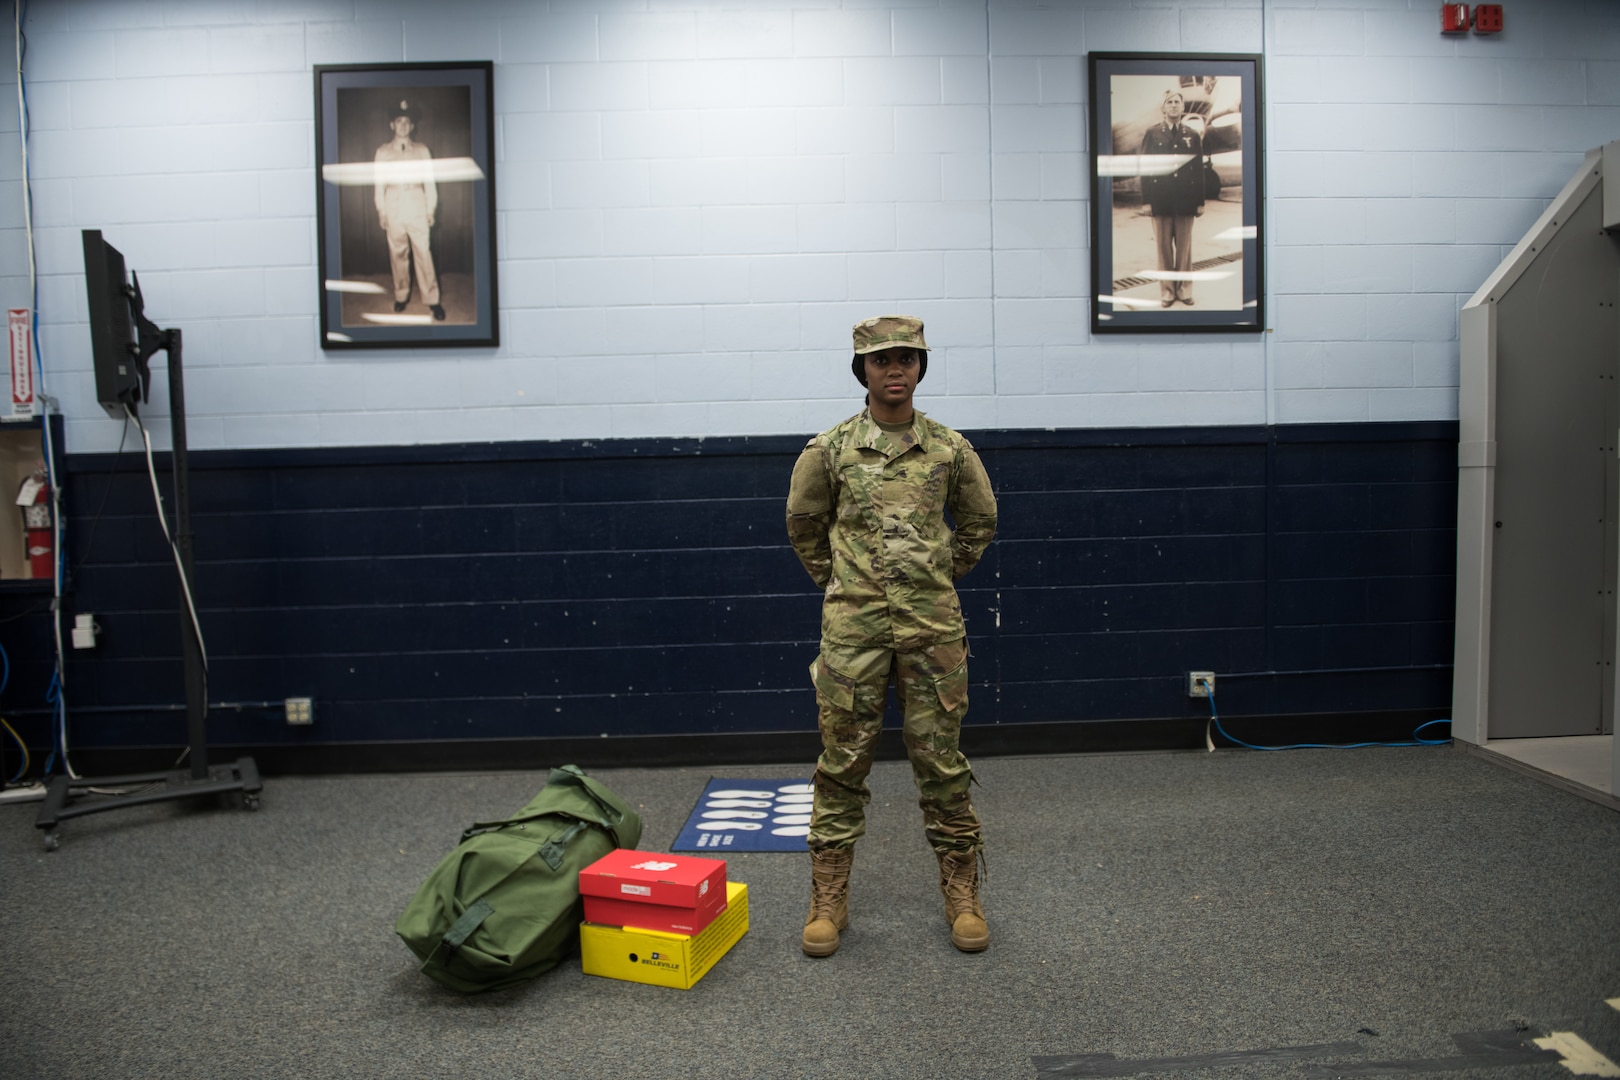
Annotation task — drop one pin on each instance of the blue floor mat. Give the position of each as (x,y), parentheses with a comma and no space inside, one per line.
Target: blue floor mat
(748,815)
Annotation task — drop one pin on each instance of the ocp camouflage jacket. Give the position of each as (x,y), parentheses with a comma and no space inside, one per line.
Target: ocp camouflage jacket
(867,520)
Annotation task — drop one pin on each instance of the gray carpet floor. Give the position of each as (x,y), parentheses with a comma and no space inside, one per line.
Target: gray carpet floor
(1391,912)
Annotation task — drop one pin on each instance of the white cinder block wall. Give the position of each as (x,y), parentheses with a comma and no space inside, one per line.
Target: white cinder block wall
(697,199)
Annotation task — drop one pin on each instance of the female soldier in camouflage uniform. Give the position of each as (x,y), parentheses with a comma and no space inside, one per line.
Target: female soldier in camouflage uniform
(866,516)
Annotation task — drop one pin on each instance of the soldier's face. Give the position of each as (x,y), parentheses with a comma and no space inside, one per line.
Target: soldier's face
(892,374)
(402,127)
(1172,108)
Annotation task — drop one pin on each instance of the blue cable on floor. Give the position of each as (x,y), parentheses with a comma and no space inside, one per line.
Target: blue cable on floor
(5,680)
(1417,740)
(53,696)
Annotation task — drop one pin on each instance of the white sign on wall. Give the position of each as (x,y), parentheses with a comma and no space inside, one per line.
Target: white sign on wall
(20,321)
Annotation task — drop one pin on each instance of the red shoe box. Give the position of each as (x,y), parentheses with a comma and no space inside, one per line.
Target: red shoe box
(677,894)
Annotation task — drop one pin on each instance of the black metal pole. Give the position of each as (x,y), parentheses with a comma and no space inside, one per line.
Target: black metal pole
(190,644)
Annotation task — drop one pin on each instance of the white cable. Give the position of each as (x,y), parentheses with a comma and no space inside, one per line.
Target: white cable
(1209,725)
(1268,247)
(44,399)
(22,131)
(179,564)
(990,155)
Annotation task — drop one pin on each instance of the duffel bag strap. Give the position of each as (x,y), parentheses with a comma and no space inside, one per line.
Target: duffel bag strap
(612,815)
(553,850)
(580,821)
(462,929)
(479,827)
(556,849)
(572,776)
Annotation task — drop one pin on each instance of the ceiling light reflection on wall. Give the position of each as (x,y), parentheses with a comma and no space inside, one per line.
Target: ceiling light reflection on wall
(370,173)
(388,318)
(1140,164)
(1184,275)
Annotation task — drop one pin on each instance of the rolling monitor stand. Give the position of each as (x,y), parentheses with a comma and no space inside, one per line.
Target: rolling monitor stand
(240,776)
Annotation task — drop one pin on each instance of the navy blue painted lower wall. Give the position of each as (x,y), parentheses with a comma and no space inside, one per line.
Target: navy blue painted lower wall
(466,596)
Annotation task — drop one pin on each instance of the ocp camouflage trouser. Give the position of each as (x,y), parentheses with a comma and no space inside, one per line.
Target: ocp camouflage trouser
(852,685)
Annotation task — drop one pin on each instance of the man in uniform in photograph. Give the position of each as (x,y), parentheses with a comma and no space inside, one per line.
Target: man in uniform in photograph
(866,515)
(407,201)
(1174,199)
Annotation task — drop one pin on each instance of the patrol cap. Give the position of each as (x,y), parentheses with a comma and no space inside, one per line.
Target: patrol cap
(887,331)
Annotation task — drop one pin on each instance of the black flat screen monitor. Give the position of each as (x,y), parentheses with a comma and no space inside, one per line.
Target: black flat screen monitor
(114,348)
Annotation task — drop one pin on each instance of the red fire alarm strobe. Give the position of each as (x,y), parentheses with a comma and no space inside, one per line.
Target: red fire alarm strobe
(1487,18)
(1454,18)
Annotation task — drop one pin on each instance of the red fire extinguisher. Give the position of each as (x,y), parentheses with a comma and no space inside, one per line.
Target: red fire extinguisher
(34,496)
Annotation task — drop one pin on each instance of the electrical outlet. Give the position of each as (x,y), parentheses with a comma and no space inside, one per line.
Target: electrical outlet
(85,629)
(300,710)
(1200,684)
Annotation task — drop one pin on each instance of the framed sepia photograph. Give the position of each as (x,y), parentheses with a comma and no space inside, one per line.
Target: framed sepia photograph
(405,204)
(1176,193)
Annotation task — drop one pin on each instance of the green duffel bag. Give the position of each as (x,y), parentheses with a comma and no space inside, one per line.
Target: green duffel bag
(504,906)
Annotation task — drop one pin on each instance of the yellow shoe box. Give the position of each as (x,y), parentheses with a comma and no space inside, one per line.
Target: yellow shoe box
(661,958)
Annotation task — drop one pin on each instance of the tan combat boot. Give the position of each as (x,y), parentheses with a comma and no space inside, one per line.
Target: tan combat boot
(959,881)
(829,899)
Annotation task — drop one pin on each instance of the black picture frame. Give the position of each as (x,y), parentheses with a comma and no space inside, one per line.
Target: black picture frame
(441,198)
(1186,268)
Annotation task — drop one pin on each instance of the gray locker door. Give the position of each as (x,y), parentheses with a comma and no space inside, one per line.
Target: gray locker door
(1557,409)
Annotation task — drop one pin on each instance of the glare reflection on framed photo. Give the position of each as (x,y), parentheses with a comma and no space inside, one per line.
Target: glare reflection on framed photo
(1176,193)
(405,204)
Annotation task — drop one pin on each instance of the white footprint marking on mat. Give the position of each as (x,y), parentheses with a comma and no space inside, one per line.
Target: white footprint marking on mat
(739,793)
(792,830)
(791,819)
(739,826)
(732,804)
(743,815)
(797,789)
(795,798)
